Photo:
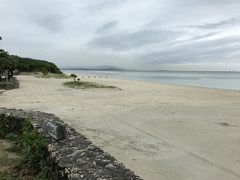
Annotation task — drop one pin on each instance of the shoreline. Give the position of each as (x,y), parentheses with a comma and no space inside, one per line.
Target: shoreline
(157,130)
(88,73)
(96,77)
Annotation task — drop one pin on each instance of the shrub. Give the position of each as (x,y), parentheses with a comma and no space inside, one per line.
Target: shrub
(45,72)
(3,128)
(73,76)
(32,145)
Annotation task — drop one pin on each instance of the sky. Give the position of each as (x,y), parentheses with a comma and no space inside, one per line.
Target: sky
(133,34)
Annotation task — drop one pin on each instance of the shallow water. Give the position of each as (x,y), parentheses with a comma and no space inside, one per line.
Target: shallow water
(224,80)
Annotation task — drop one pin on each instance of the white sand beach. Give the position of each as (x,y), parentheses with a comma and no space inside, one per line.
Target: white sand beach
(160,131)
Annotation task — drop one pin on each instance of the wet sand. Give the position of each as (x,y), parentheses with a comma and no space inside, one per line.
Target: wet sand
(160,131)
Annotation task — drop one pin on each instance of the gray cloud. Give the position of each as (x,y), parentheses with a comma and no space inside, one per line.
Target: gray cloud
(221,24)
(99,6)
(123,32)
(211,51)
(106,27)
(51,22)
(129,40)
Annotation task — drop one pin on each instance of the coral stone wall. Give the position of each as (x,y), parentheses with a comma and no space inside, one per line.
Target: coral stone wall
(75,156)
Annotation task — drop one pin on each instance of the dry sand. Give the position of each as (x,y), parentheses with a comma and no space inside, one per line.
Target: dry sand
(162,132)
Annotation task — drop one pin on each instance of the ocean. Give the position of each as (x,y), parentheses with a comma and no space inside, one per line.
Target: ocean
(223,80)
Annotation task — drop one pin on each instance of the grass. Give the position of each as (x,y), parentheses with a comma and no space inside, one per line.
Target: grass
(53,75)
(9,158)
(8,176)
(14,148)
(46,75)
(87,85)
(4,84)
(29,145)
(9,161)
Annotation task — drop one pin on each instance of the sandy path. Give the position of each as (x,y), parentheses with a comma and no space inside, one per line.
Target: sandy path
(160,131)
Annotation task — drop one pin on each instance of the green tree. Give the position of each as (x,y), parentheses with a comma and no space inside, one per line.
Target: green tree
(11,62)
(7,63)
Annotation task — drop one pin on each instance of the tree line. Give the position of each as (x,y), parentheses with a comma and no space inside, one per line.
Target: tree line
(12,62)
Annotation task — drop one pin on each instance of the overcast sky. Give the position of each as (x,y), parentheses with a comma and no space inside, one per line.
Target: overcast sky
(140,34)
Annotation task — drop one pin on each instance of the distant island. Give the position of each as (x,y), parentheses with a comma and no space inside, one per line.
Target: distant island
(108,68)
(96,68)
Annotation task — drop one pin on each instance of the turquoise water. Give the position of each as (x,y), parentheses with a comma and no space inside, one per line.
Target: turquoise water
(224,80)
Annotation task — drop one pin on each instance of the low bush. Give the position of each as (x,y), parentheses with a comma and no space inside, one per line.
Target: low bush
(31,145)
(86,85)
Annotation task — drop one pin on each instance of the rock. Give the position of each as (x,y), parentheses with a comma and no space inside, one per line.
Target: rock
(56,130)
(110,166)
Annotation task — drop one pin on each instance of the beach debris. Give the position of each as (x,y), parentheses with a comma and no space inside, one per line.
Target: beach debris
(226,124)
(56,130)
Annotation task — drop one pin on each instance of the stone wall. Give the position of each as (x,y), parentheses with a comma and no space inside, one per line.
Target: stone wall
(75,156)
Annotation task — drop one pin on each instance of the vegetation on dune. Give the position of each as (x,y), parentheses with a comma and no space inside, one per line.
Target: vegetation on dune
(53,75)
(35,65)
(77,84)
(47,75)
(31,147)
(86,85)
(12,62)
